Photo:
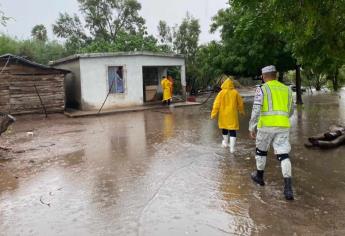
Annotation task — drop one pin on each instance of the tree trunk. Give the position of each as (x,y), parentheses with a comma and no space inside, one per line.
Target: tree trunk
(281,77)
(298,86)
(318,87)
(318,83)
(335,81)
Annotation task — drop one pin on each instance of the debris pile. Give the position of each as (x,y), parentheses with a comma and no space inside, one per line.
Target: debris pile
(333,138)
(5,122)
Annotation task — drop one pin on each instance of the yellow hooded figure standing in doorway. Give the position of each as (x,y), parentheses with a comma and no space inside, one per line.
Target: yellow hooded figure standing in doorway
(167,90)
(228,104)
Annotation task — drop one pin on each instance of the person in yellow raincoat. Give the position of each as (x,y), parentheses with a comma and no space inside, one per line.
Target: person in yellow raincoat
(167,90)
(227,105)
(170,78)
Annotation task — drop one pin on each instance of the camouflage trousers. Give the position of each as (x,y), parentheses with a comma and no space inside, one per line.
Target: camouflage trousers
(281,145)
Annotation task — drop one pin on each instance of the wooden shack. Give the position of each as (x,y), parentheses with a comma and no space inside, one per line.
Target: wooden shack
(27,87)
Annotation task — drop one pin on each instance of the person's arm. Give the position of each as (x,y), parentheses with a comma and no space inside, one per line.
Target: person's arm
(258,99)
(216,106)
(240,104)
(171,88)
(291,103)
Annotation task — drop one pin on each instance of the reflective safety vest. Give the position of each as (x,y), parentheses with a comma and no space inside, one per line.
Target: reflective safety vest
(276,106)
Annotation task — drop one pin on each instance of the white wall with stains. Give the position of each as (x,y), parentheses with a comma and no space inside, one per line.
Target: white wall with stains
(94,85)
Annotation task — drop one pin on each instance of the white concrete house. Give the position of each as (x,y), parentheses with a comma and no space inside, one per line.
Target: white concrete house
(133,78)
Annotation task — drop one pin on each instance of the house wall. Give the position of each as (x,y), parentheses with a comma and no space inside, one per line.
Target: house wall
(94,79)
(72,84)
(4,93)
(18,94)
(25,100)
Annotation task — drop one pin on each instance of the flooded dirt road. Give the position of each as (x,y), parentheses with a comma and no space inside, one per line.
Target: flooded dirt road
(163,173)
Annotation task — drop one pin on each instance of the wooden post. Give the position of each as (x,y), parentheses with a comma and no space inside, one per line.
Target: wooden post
(44,108)
(111,87)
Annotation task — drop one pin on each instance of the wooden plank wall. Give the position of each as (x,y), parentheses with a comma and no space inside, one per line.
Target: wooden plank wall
(24,99)
(4,93)
(18,94)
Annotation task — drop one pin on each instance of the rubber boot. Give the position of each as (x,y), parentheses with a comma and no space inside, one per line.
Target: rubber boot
(232,144)
(258,177)
(288,193)
(225,142)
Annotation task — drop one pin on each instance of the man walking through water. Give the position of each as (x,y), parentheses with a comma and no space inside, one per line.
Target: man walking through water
(273,106)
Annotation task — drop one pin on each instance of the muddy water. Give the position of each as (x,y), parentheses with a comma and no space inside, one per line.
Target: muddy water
(164,173)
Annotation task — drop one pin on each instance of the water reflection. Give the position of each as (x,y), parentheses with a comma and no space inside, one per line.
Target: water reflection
(168,126)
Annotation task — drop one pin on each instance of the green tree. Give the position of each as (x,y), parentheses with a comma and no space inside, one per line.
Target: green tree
(314,30)
(106,18)
(8,45)
(314,79)
(209,61)
(290,34)
(250,42)
(41,53)
(70,28)
(32,49)
(125,42)
(186,40)
(39,32)
(104,21)
(165,36)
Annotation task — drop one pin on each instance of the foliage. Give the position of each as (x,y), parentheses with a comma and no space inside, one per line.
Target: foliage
(71,29)
(250,41)
(165,36)
(125,42)
(320,43)
(313,29)
(39,32)
(341,76)
(186,40)
(104,20)
(209,61)
(8,45)
(312,79)
(32,49)
(182,39)
(41,52)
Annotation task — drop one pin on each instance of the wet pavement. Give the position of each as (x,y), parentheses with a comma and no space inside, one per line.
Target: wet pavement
(163,172)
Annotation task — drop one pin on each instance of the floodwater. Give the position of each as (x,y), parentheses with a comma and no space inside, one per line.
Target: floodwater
(163,172)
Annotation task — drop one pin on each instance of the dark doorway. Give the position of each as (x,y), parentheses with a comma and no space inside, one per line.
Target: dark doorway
(150,82)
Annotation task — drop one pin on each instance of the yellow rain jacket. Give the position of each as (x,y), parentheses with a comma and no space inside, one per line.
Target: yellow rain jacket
(228,103)
(167,88)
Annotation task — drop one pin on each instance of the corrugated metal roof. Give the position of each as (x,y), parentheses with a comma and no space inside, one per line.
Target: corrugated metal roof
(23,60)
(115,54)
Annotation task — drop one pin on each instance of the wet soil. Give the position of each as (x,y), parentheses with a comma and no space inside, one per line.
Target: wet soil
(163,172)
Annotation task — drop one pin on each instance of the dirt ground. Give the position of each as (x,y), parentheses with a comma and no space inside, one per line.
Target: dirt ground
(163,172)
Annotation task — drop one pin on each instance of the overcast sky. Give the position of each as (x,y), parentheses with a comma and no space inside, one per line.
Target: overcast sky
(28,13)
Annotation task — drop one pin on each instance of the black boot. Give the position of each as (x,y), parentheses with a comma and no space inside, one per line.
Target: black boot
(258,177)
(288,189)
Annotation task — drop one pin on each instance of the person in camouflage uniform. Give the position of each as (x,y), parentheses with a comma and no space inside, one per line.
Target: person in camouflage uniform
(273,106)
